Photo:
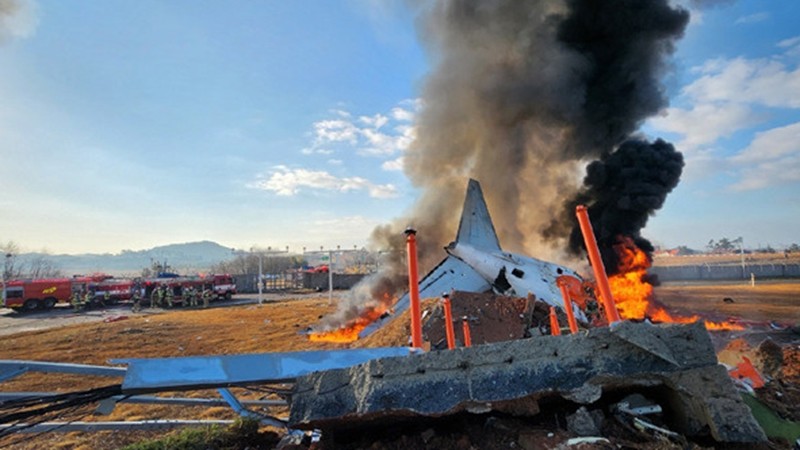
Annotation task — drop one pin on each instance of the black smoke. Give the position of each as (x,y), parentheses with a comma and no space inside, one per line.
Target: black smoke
(623,189)
(623,45)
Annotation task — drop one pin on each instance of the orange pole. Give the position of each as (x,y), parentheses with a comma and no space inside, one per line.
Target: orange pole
(612,315)
(448,323)
(573,324)
(467,336)
(413,288)
(555,329)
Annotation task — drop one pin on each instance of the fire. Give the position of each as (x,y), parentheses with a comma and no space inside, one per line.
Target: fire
(634,295)
(349,332)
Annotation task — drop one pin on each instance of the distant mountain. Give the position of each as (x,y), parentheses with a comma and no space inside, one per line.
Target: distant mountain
(183,258)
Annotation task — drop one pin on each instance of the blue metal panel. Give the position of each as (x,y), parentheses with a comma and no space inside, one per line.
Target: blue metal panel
(158,374)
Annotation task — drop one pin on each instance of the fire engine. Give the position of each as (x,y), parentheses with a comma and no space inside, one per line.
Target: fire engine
(33,294)
(29,294)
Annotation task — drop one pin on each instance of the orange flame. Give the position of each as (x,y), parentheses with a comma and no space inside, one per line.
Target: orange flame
(634,294)
(349,331)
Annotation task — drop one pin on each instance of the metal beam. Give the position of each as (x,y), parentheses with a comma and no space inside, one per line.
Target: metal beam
(195,372)
(244,412)
(10,368)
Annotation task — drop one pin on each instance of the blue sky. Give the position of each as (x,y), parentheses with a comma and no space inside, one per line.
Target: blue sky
(131,124)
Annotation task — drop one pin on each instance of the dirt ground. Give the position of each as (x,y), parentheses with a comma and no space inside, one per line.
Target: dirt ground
(276,326)
(728,259)
(762,303)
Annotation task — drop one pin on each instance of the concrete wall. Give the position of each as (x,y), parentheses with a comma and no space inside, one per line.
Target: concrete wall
(707,272)
(319,281)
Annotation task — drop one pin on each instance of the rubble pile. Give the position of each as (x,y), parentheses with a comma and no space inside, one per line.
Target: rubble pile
(585,382)
(491,318)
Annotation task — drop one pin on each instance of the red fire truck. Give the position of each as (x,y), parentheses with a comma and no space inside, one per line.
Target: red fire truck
(224,286)
(28,295)
(119,289)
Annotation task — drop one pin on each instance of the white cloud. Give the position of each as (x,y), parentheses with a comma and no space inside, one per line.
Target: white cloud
(772,144)
(789,43)
(376,121)
(335,162)
(288,182)
(723,100)
(316,151)
(758,81)
(753,18)
(375,135)
(341,113)
(704,123)
(393,164)
(338,130)
(792,46)
(402,114)
(772,158)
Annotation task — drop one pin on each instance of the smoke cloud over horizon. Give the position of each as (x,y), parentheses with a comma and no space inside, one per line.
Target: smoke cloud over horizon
(522,95)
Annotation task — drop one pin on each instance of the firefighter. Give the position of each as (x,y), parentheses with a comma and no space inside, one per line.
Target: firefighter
(160,295)
(192,296)
(169,295)
(106,298)
(206,297)
(154,298)
(137,300)
(87,299)
(75,300)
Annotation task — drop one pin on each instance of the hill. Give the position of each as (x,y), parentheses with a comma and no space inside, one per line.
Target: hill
(190,256)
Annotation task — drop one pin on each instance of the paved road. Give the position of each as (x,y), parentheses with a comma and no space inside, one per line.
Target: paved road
(12,322)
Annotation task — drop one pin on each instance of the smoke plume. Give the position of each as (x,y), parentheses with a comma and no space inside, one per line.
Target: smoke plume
(521,96)
(623,189)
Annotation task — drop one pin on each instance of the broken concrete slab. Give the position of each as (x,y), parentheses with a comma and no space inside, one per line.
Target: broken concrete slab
(497,376)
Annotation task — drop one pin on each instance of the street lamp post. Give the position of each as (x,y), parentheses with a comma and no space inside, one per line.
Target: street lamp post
(5,274)
(741,252)
(330,277)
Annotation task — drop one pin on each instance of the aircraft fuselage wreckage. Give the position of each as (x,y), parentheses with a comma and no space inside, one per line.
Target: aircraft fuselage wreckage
(477,263)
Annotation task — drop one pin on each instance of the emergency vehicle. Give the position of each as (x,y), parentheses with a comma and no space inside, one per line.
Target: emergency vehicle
(28,295)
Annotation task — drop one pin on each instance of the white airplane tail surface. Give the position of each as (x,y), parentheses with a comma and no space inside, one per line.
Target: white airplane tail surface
(476,263)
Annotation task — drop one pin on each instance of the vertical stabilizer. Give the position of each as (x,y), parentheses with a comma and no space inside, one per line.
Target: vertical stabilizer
(476,228)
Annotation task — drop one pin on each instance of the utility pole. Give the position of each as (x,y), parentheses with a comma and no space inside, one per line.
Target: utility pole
(5,276)
(260,279)
(741,252)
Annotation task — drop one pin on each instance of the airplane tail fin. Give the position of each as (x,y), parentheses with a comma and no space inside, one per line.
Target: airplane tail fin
(476,228)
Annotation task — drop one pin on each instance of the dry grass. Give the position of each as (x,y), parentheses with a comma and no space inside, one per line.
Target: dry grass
(273,327)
